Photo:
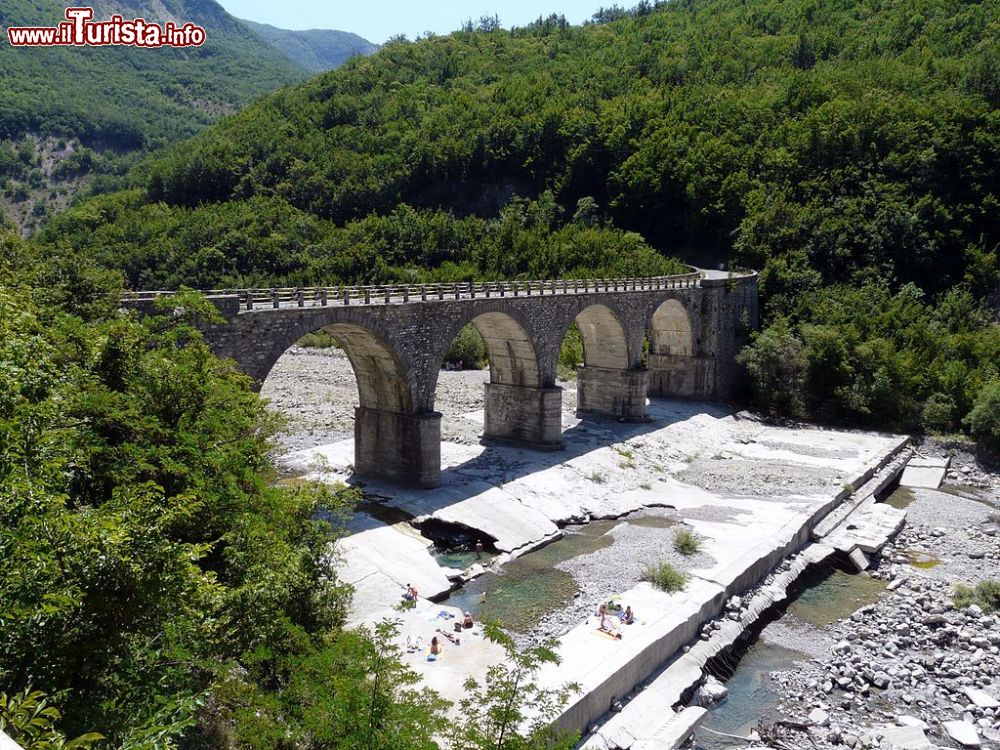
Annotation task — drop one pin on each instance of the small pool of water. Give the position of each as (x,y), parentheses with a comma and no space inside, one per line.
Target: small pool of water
(752,695)
(461,557)
(921,558)
(530,587)
(828,597)
(900,498)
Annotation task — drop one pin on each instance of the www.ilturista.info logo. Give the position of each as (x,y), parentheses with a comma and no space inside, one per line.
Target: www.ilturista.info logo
(80,30)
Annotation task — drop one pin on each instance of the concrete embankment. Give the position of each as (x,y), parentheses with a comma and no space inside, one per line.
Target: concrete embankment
(645,721)
(607,669)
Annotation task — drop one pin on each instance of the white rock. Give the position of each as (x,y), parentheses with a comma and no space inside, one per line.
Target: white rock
(963,733)
(819,718)
(912,721)
(980,698)
(905,738)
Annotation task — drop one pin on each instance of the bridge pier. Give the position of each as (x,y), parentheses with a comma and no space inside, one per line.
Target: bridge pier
(404,448)
(524,415)
(676,375)
(612,392)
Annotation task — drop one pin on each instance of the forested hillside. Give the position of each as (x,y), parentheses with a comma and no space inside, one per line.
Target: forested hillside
(852,145)
(315,50)
(69,113)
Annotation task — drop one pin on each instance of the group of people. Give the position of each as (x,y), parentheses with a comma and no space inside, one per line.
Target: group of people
(435,650)
(625,617)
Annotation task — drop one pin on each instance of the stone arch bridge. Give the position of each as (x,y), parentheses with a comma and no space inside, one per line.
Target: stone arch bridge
(396,338)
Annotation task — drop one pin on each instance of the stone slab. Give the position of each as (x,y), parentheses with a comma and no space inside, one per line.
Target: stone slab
(923,476)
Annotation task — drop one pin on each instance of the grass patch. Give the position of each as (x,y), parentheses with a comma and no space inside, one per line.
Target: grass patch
(646,486)
(597,478)
(624,453)
(686,542)
(665,577)
(986,594)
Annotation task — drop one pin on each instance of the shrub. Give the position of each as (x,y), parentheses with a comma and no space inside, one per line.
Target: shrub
(984,419)
(776,369)
(468,350)
(665,577)
(318,340)
(986,594)
(686,542)
(570,353)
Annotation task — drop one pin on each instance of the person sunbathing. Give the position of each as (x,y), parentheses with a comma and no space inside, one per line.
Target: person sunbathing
(627,617)
(606,626)
(435,650)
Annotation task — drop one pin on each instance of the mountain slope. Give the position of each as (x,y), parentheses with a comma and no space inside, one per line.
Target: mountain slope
(94,105)
(849,150)
(315,50)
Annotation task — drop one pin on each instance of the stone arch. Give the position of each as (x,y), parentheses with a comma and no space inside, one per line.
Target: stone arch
(675,367)
(604,341)
(513,360)
(670,331)
(380,376)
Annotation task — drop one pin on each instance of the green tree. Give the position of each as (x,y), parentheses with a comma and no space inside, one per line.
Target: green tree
(509,711)
(984,419)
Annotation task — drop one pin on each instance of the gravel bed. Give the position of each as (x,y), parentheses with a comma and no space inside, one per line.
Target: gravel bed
(913,659)
(617,568)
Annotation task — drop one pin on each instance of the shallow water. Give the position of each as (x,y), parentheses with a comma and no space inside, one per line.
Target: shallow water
(921,559)
(461,558)
(827,595)
(530,587)
(752,694)
(900,498)
(828,598)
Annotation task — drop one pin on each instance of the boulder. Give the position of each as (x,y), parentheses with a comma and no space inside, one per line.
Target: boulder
(980,698)
(963,733)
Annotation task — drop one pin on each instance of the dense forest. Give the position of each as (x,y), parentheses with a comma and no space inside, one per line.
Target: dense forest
(847,150)
(315,50)
(75,119)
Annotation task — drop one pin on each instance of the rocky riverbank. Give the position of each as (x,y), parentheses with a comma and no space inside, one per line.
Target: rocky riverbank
(921,667)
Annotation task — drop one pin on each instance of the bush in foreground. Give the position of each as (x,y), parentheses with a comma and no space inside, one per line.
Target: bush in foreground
(686,542)
(986,594)
(665,577)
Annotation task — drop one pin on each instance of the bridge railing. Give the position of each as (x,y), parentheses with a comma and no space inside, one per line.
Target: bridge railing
(387,294)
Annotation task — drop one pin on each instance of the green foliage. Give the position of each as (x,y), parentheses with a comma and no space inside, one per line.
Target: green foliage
(686,542)
(315,50)
(665,577)
(986,594)
(317,340)
(509,711)
(984,419)
(468,350)
(145,550)
(868,356)
(776,365)
(30,721)
(127,98)
(570,353)
(350,692)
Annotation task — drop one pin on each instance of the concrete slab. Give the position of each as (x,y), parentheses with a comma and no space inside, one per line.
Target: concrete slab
(925,471)
(904,738)
(380,562)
